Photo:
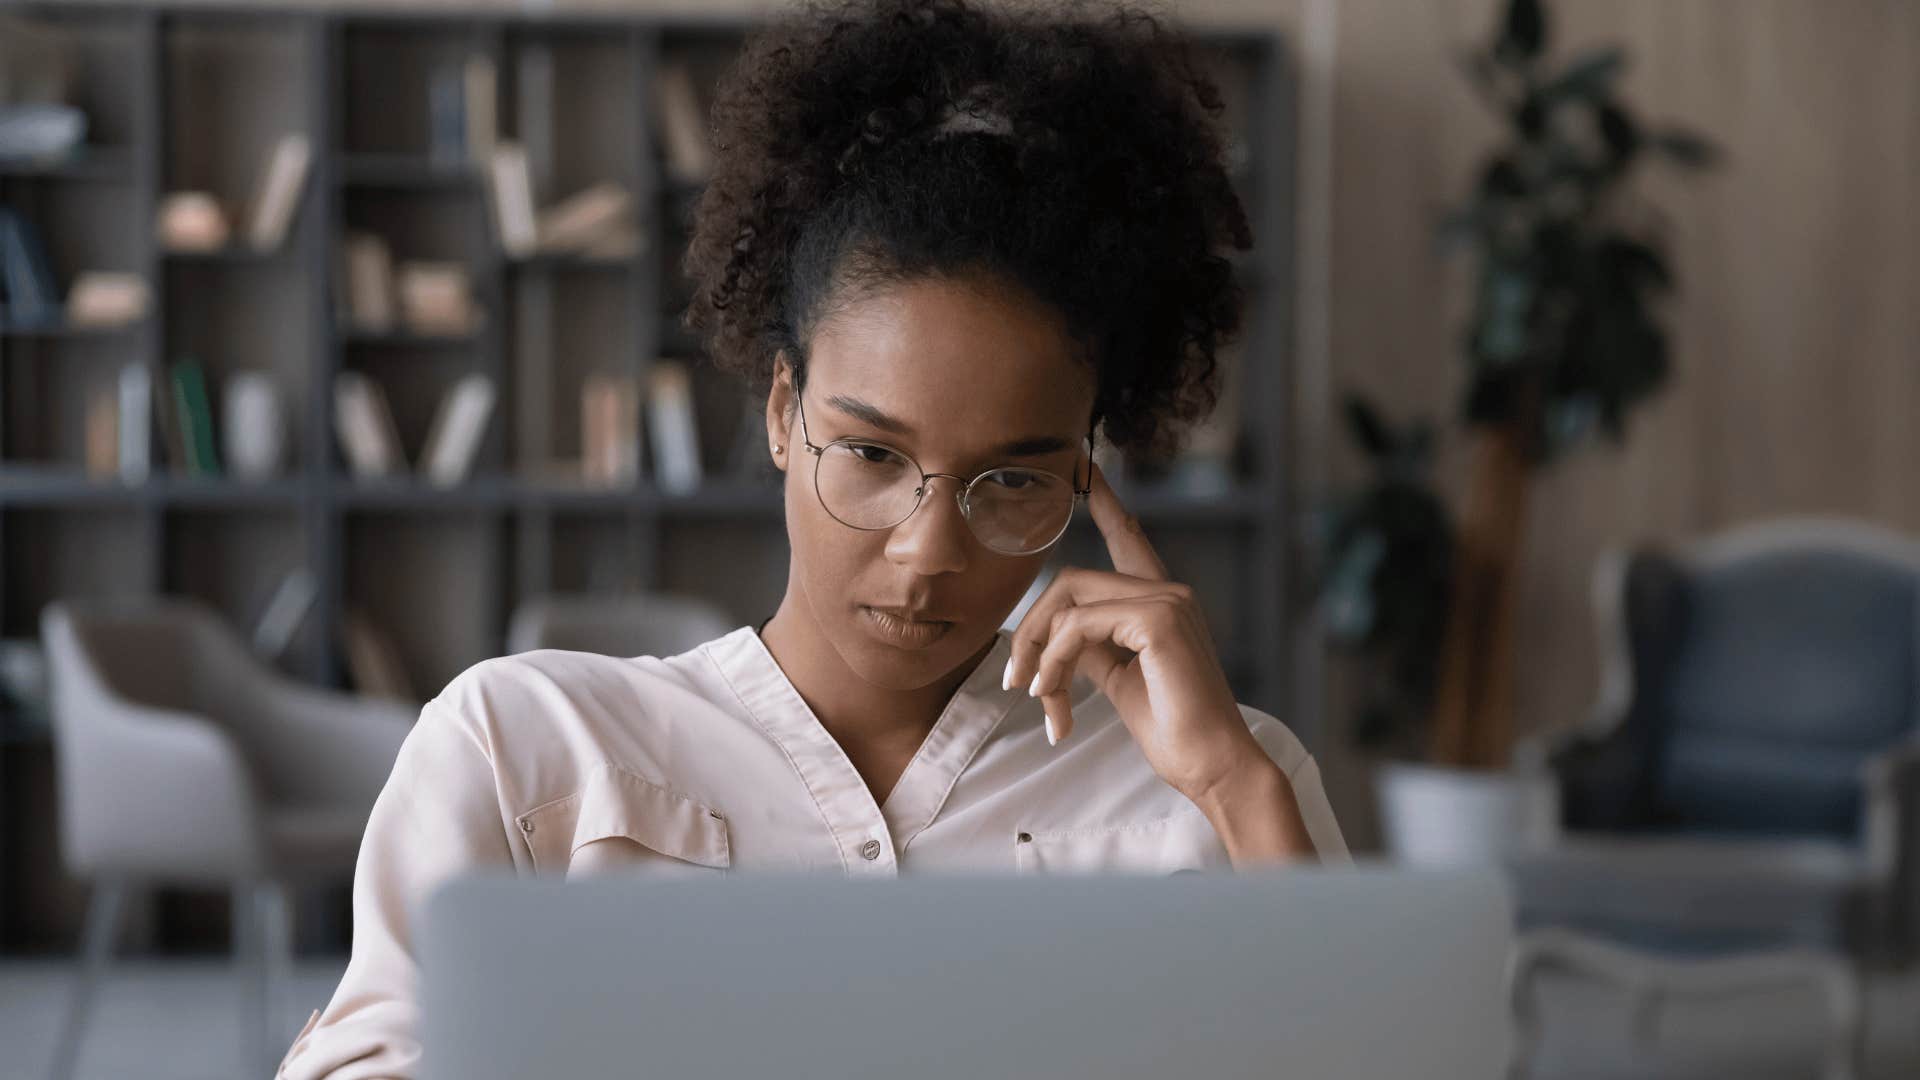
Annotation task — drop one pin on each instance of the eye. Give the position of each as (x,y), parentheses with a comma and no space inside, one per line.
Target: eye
(869,454)
(1013,479)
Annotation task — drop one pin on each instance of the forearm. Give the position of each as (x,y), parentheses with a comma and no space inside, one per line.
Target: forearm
(1257,817)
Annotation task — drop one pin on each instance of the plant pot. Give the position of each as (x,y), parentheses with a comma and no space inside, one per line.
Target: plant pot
(1444,817)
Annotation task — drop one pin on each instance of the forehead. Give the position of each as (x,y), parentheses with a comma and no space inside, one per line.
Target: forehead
(960,362)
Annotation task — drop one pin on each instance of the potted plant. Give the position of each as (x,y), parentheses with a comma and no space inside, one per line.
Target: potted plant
(1564,342)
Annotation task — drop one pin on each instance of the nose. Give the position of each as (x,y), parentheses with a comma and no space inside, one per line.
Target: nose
(934,538)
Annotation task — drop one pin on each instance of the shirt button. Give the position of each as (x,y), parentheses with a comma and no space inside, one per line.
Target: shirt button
(870,850)
(526,824)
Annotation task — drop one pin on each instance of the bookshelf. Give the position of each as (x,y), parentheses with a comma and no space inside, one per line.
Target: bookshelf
(195,97)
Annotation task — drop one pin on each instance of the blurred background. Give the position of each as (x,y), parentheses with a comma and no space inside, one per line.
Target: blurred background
(1560,496)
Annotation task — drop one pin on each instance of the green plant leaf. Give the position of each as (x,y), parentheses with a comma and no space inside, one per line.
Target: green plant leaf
(1367,427)
(1588,75)
(1523,32)
(1686,149)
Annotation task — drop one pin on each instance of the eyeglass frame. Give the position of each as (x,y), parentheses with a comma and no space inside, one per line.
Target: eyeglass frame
(920,491)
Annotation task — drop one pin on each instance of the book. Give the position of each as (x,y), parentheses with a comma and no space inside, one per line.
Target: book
(279,192)
(26,275)
(363,422)
(682,121)
(454,436)
(447,115)
(192,221)
(670,423)
(583,218)
(195,417)
(373,662)
(107,298)
(510,186)
(436,298)
(288,606)
(102,434)
(136,423)
(610,429)
(368,264)
(482,108)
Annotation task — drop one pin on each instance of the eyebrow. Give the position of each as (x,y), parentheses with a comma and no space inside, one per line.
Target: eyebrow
(1030,446)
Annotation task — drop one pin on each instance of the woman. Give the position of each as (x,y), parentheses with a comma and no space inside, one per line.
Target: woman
(951,245)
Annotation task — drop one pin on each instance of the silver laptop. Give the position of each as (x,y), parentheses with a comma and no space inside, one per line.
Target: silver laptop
(1310,973)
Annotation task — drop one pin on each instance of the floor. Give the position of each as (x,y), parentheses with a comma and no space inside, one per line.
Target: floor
(177,1021)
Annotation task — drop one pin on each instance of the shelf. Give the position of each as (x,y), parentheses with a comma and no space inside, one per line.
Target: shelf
(48,485)
(406,172)
(111,164)
(407,339)
(66,330)
(573,262)
(228,256)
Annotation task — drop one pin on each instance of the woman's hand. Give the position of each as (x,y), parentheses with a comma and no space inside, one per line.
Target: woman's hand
(1144,642)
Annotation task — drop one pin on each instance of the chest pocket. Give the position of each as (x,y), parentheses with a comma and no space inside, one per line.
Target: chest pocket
(619,820)
(1170,845)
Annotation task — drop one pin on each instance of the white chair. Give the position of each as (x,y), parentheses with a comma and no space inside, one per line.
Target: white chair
(183,760)
(633,624)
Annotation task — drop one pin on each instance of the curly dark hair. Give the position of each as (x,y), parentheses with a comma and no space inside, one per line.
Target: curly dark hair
(1073,152)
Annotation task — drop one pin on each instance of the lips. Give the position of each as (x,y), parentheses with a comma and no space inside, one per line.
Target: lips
(904,633)
(908,614)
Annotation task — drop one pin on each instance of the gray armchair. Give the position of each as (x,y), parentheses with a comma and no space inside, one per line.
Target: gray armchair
(634,624)
(181,759)
(1751,777)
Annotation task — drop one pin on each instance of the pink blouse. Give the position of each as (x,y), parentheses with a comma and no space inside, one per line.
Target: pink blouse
(570,763)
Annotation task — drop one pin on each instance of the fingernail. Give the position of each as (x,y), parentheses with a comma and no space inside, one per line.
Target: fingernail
(1006,677)
(1033,689)
(1053,733)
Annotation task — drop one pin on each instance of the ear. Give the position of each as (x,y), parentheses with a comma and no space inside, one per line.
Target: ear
(780,401)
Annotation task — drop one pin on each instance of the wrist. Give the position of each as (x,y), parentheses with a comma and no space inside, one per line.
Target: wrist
(1254,811)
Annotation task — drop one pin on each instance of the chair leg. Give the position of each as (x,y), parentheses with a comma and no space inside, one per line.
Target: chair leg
(264,955)
(104,910)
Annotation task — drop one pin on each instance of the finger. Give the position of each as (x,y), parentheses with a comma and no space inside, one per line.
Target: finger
(1070,586)
(1127,543)
(1080,641)
(1059,709)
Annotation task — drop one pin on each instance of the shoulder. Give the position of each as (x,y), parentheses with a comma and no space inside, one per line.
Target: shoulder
(548,714)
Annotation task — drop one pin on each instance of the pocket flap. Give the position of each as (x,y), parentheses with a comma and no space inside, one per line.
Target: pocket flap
(617,803)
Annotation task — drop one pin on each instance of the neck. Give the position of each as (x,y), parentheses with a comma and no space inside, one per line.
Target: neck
(848,706)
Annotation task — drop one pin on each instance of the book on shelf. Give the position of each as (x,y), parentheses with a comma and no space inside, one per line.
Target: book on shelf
(482,107)
(285,610)
(26,274)
(373,662)
(453,439)
(192,221)
(681,118)
(436,298)
(670,423)
(588,219)
(135,392)
(279,192)
(363,422)
(104,298)
(194,415)
(610,429)
(447,114)
(102,434)
(510,188)
(367,262)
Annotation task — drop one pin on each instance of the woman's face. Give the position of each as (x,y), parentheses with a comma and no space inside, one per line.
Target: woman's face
(963,377)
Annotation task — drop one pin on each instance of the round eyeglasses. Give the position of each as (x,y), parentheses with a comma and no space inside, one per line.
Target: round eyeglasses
(1010,509)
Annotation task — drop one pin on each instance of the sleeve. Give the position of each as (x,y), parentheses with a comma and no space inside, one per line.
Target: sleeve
(437,815)
(1316,810)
